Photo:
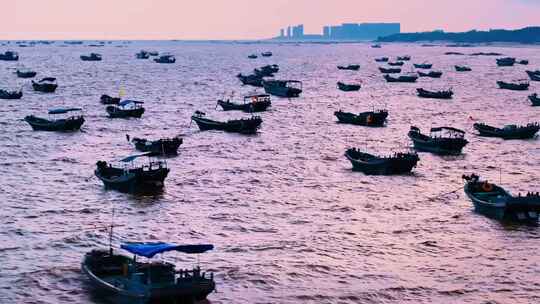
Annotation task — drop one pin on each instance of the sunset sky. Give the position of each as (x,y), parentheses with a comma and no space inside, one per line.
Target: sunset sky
(246,19)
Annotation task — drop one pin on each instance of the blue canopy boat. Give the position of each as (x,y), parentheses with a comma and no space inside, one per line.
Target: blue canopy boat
(126,108)
(495,202)
(132,178)
(71,123)
(148,282)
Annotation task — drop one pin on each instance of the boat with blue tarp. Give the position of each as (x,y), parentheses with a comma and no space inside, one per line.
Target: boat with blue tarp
(69,123)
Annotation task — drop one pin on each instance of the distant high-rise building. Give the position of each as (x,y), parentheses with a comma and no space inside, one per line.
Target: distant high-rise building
(281,33)
(346,31)
(289,32)
(298,31)
(326,32)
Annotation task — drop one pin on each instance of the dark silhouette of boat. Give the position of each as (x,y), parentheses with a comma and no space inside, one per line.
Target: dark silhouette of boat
(509,131)
(132,280)
(266,54)
(523,62)
(125,109)
(9,56)
(431,74)
(4,94)
(252,103)
(252,56)
(108,100)
(25,73)
(521,86)
(534,75)
(486,54)
(390,70)
(434,94)
(453,53)
(165,58)
(505,62)
(399,163)
(91,57)
(283,88)
(252,80)
(535,100)
(131,177)
(495,202)
(404,58)
(462,68)
(401,78)
(45,85)
(153,53)
(441,140)
(397,63)
(369,119)
(382,59)
(425,66)
(70,123)
(163,146)
(142,55)
(266,71)
(348,87)
(244,126)
(376,46)
(350,67)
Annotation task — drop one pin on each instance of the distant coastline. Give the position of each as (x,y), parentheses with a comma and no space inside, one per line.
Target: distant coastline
(528,35)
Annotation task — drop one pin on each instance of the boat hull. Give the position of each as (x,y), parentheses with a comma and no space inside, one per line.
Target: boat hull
(260,106)
(136,181)
(369,119)
(115,112)
(60,125)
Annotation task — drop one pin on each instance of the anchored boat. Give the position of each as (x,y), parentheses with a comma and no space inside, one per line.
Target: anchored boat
(382,59)
(9,56)
(163,146)
(108,100)
(520,86)
(125,109)
(351,67)
(252,103)
(401,78)
(142,55)
(266,54)
(425,66)
(441,140)
(70,123)
(348,87)
(165,58)
(509,131)
(535,99)
(245,126)
(404,58)
(26,73)
(435,94)
(495,202)
(534,75)
(283,88)
(91,57)
(4,94)
(370,119)
(505,62)
(131,177)
(252,80)
(45,85)
(397,63)
(266,71)
(462,68)
(399,163)
(431,74)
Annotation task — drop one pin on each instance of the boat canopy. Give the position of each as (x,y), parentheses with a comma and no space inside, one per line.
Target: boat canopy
(126,102)
(134,157)
(448,129)
(151,249)
(63,110)
(48,79)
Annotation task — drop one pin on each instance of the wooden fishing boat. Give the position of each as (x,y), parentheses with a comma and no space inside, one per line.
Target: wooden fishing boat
(509,131)
(165,58)
(252,103)
(535,100)
(399,163)
(441,140)
(462,68)
(534,75)
(135,281)
(4,94)
(70,123)
(108,100)
(521,86)
(142,55)
(252,56)
(266,71)
(131,177)
(351,67)
(382,59)
(45,85)
(390,70)
(505,62)
(454,53)
(91,57)
(125,109)
(245,126)
(283,88)
(397,63)
(252,80)
(163,146)
(401,78)
(431,74)
(348,87)
(266,54)
(425,66)
(369,119)
(9,56)
(404,58)
(435,94)
(25,73)
(495,202)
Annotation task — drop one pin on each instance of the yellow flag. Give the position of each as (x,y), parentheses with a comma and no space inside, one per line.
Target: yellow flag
(121,93)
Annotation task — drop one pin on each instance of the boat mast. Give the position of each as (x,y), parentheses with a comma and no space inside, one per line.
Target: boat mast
(111,233)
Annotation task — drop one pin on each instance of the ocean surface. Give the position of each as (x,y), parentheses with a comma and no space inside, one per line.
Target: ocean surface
(290,221)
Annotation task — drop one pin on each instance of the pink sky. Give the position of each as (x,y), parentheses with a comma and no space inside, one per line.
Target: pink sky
(246,19)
